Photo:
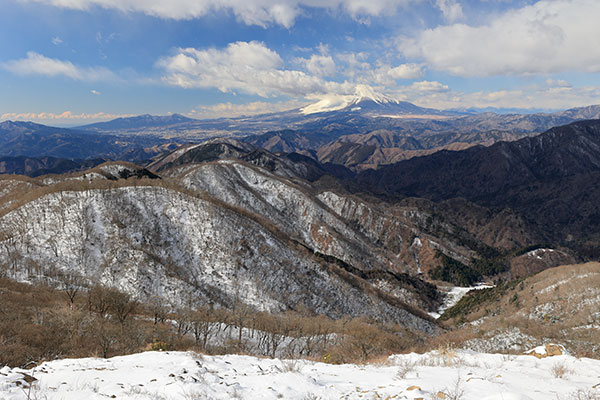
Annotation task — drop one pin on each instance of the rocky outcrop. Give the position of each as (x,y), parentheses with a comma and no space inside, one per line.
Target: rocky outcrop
(547,350)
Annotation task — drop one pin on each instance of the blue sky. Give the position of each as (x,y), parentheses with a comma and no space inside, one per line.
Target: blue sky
(67,62)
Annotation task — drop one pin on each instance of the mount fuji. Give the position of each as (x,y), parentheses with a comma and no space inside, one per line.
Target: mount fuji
(367,101)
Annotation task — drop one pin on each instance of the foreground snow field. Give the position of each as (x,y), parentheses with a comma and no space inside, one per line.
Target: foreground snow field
(187,376)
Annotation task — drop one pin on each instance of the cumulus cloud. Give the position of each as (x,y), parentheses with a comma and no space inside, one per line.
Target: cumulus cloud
(37,64)
(383,74)
(356,68)
(319,65)
(355,64)
(405,71)
(549,36)
(250,67)
(251,12)
(451,10)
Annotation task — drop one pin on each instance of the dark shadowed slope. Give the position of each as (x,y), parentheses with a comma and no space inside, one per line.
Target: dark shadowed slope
(552,179)
(22,165)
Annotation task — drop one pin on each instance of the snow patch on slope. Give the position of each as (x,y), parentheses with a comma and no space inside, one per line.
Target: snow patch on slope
(453,296)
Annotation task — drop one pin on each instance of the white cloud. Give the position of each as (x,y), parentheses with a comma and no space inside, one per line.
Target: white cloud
(64,116)
(253,68)
(355,64)
(557,83)
(385,75)
(440,96)
(429,86)
(319,65)
(547,98)
(451,10)
(547,37)
(57,41)
(406,71)
(250,67)
(95,92)
(251,12)
(37,64)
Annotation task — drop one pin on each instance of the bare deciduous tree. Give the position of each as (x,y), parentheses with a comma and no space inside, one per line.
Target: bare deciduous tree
(121,305)
(99,300)
(71,284)
(204,325)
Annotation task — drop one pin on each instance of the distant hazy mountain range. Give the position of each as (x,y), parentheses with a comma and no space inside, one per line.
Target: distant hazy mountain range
(35,140)
(140,121)
(358,115)
(360,132)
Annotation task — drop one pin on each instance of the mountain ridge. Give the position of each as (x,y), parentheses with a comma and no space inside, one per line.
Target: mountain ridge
(549,179)
(138,121)
(395,136)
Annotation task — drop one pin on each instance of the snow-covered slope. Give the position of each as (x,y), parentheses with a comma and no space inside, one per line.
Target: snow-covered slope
(462,375)
(290,206)
(372,241)
(559,304)
(13,187)
(185,246)
(220,231)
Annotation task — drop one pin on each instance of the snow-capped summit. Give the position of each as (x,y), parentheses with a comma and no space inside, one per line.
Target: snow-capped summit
(366,93)
(365,100)
(334,102)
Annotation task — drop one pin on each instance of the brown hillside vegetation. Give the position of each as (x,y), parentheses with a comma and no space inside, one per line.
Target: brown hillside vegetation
(58,319)
(559,304)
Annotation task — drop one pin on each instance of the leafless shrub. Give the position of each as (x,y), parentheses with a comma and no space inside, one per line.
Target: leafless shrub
(444,356)
(98,300)
(204,325)
(291,366)
(404,368)
(560,371)
(311,396)
(159,310)
(71,284)
(195,395)
(456,392)
(585,395)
